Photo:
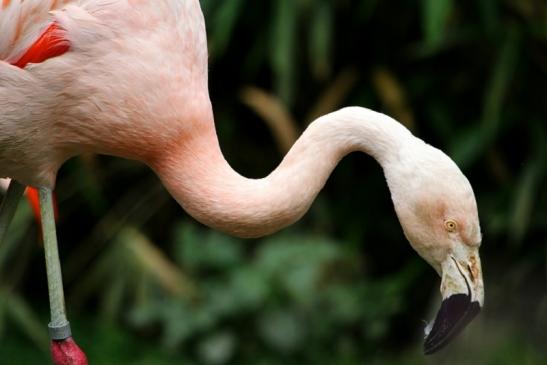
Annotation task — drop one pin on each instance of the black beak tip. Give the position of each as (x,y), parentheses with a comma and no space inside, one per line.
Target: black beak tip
(455,313)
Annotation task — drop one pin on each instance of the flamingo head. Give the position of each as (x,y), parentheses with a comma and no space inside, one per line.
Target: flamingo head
(438,212)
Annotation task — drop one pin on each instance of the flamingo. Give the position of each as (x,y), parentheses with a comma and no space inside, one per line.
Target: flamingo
(129,78)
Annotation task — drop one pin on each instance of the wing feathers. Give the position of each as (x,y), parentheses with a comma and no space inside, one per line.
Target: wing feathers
(22,22)
(50,44)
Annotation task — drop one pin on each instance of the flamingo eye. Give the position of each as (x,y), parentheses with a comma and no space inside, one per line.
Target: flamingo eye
(450,225)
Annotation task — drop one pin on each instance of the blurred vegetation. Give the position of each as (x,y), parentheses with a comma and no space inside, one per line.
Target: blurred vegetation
(146,284)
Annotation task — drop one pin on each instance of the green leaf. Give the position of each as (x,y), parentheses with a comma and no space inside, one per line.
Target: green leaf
(282,330)
(499,84)
(250,287)
(217,348)
(524,200)
(283,48)
(224,23)
(200,249)
(20,224)
(467,148)
(21,313)
(489,11)
(528,186)
(467,145)
(436,14)
(321,34)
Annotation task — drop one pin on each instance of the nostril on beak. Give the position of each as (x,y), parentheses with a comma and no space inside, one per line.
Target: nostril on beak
(471,274)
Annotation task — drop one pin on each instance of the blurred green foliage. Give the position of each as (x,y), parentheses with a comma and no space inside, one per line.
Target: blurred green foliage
(148,285)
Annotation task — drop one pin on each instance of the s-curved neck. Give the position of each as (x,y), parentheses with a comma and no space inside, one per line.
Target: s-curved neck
(204,184)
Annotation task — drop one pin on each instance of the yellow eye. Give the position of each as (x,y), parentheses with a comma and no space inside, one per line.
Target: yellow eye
(450,225)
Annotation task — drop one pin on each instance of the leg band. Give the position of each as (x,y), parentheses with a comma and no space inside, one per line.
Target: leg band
(59,333)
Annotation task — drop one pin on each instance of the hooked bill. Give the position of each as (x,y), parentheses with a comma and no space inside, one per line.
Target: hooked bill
(455,313)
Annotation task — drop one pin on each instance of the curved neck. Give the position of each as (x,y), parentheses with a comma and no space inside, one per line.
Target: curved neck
(204,184)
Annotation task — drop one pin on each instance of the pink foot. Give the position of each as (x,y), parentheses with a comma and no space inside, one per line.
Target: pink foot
(67,352)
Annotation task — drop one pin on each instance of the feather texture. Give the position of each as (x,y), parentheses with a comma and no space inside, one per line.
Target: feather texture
(21,24)
(49,44)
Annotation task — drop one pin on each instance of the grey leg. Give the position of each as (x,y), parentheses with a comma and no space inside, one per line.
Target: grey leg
(9,206)
(59,328)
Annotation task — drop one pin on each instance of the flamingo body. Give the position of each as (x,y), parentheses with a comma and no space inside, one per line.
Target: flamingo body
(129,78)
(89,100)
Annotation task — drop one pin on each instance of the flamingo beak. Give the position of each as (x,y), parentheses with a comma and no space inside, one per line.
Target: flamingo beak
(463,295)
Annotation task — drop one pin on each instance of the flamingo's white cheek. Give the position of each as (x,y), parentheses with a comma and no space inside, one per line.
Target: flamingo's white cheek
(426,241)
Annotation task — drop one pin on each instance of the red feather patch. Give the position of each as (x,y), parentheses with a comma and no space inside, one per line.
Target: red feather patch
(49,45)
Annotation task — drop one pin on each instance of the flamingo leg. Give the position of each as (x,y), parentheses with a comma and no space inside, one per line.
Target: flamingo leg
(59,326)
(64,350)
(9,206)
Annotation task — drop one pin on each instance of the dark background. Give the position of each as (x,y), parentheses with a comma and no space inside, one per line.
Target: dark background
(146,284)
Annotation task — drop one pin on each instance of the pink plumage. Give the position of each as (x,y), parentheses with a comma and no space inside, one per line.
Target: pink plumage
(49,44)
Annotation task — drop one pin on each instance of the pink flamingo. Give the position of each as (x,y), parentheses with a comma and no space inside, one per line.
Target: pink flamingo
(129,78)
